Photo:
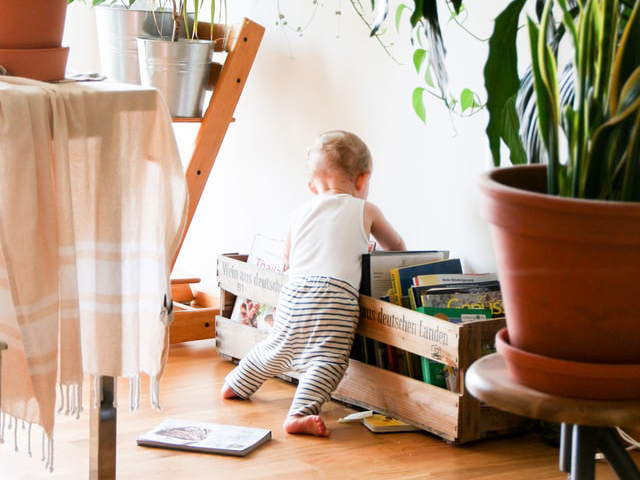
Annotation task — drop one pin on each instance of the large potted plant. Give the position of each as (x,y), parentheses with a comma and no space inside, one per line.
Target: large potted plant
(567,233)
(571,326)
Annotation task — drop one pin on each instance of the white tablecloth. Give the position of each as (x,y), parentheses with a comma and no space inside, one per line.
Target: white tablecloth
(92,205)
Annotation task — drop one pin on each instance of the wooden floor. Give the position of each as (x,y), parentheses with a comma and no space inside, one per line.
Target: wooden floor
(190,390)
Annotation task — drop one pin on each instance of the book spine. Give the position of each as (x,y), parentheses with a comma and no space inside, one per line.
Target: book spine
(396,287)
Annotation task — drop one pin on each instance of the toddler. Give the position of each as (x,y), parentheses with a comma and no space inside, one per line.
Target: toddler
(317,313)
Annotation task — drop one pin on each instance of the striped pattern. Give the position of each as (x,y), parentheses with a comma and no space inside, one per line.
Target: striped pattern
(92,206)
(315,324)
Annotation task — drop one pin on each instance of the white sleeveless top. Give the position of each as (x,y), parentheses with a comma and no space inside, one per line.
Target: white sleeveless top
(328,238)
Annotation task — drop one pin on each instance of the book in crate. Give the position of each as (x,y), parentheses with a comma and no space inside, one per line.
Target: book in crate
(266,253)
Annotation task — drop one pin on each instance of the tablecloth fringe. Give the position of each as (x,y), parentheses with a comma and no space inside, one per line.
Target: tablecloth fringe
(9,422)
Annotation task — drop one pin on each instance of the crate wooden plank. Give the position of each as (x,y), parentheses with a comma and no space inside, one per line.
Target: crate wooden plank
(234,340)
(249,281)
(431,408)
(413,331)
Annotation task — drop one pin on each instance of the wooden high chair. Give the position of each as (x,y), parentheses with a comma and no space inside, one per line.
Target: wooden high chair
(195,311)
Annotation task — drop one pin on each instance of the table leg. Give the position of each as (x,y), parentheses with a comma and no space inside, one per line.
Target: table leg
(565,447)
(617,456)
(583,453)
(102,442)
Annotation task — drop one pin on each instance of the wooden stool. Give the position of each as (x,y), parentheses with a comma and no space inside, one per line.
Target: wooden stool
(586,424)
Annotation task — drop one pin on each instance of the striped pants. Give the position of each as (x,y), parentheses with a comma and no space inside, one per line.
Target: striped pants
(315,324)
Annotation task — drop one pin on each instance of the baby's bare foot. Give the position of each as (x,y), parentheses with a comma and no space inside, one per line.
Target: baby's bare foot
(309,424)
(226,392)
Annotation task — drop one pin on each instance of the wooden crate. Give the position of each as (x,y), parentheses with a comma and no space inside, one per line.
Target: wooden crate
(456,417)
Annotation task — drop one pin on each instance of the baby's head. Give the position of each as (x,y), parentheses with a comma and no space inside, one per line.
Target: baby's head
(339,152)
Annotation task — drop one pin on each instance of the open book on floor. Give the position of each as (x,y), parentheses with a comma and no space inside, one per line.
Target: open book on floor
(205,437)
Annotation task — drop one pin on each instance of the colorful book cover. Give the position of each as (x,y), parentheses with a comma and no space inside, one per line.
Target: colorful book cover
(376,281)
(402,277)
(457,315)
(491,299)
(379,423)
(267,253)
(455,279)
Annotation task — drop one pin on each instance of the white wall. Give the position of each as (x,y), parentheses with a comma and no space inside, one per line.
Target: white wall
(335,77)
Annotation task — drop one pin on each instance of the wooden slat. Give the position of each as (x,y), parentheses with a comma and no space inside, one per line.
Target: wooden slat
(413,331)
(193,324)
(432,408)
(235,339)
(249,281)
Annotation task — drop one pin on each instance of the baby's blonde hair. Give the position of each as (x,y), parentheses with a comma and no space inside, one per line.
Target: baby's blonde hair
(339,150)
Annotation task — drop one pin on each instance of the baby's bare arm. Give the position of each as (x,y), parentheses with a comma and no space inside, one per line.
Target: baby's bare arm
(386,236)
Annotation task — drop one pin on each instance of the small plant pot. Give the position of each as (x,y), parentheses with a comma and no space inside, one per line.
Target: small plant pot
(179,70)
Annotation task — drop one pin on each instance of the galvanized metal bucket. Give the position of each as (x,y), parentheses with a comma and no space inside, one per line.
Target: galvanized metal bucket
(118,27)
(179,70)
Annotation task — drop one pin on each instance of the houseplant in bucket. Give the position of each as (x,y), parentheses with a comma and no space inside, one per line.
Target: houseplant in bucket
(118,25)
(567,233)
(180,67)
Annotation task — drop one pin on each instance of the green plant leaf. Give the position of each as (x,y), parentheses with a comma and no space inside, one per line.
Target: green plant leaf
(616,139)
(501,72)
(427,76)
(546,124)
(626,57)
(417,12)
(399,11)
(606,48)
(419,56)
(466,99)
(418,103)
(510,132)
(457,4)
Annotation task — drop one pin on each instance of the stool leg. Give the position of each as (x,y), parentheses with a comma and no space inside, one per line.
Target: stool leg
(617,455)
(583,462)
(565,447)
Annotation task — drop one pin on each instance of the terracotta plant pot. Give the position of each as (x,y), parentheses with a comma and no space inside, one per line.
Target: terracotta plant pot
(32,23)
(568,269)
(31,37)
(44,64)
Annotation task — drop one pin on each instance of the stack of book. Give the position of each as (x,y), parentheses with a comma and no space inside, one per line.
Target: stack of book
(430,282)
